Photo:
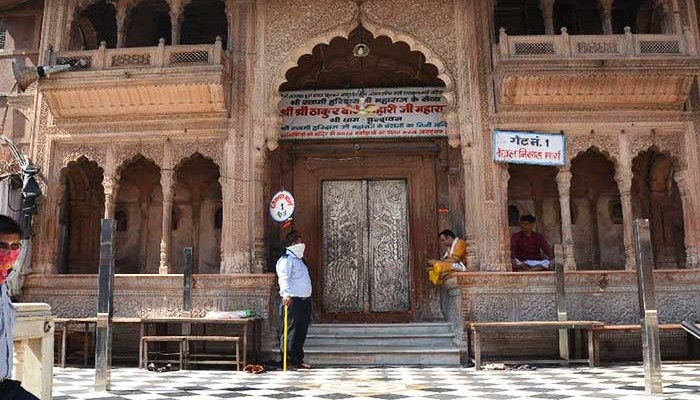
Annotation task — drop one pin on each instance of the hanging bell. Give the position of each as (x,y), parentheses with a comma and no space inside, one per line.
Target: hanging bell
(361,50)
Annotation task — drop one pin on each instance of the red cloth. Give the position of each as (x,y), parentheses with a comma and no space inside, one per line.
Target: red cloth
(525,247)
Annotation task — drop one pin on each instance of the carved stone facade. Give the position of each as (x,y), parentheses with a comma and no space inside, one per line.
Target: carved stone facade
(625,96)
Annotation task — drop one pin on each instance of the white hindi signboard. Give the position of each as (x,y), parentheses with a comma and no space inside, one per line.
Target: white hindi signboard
(529,148)
(282,206)
(338,114)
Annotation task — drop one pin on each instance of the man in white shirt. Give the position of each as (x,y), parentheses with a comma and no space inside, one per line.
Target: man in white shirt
(295,290)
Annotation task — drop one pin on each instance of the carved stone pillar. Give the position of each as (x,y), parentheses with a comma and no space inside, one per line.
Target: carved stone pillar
(690,220)
(242,189)
(109,183)
(547,8)
(70,17)
(177,8)
(122,11)
(605,8)
(167,183)
(623,177)
(567,237)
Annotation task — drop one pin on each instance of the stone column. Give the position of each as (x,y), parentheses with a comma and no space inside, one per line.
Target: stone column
(122,12)
(167,183)
(547,8)
(567,237)
(109,183)
(242,192)
(623,177)
(70,17)
(690,220)
(177,8)
(605,9)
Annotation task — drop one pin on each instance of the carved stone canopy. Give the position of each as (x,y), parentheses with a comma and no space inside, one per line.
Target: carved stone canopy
(389,64)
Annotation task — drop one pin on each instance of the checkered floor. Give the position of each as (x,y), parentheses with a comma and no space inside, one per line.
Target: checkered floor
(681,381)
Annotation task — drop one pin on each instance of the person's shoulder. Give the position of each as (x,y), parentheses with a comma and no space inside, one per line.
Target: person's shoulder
(516,235)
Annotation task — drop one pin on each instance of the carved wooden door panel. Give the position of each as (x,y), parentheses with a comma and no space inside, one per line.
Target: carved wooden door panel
(365,263)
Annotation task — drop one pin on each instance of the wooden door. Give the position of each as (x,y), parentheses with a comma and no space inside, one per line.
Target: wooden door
(365,264)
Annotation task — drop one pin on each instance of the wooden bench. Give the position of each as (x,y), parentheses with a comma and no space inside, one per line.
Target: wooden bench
(477,329)
(599,330)
(220,339)
(178,339)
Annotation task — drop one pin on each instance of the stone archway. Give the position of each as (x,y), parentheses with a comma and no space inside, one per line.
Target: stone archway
(273,120)
(656,196)
(410,170)
(81,209)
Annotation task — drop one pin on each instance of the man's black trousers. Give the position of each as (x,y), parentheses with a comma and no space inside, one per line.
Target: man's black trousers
(298,320)
(11,390)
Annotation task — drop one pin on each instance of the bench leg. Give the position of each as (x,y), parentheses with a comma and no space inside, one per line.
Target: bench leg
(145,354)
(593,349)
(238,359)
(64,339)
(182,349)
(477,350)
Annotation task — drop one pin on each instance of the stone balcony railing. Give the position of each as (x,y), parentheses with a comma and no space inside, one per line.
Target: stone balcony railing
(33,342)
(567,46)
(116,85)
(143,57)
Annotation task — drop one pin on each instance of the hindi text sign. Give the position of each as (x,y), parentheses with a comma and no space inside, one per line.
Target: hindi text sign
(282,206)
(520,147)
(376,113)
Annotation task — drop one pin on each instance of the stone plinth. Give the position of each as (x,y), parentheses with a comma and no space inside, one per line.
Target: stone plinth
(33,342)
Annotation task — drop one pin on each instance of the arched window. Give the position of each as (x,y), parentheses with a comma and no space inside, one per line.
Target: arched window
(615,212)
(122,221)
(219,218)
(513,216)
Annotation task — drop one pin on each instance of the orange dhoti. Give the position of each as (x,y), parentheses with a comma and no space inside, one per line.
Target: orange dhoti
(454,260)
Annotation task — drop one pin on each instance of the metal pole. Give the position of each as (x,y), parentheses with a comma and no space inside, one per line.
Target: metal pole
(187,284)
(562,314)
(651,352)
(103,330)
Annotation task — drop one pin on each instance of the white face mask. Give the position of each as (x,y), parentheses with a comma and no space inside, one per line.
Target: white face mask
(297,249)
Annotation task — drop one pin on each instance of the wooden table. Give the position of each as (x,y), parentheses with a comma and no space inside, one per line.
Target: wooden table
(246,323)
(478,328)
(62,324)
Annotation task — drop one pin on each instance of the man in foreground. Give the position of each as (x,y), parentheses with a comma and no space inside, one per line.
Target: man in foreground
(10,247)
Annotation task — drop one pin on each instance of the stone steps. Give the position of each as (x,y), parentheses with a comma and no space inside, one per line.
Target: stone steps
(381,344)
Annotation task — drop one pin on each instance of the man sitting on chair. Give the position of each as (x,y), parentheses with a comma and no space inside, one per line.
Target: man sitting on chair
(529,250)
(455,258)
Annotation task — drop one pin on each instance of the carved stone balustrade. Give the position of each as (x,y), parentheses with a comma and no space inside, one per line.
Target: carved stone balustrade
(33,342)
(593,46)
(136,82)
(594,72)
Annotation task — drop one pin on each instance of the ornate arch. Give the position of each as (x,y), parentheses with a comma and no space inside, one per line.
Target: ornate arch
(668,145)
(607,145)
(126,153)
(66,154)
(210,149)
(272,118)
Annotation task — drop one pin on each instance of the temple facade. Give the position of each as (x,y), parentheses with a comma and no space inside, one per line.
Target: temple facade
(171,123)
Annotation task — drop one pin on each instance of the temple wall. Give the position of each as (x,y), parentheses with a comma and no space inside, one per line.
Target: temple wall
(157,295)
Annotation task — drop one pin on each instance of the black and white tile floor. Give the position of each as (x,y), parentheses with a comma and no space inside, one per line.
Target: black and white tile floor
(681,381)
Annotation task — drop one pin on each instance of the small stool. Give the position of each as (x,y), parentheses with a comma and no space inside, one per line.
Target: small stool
(232,339)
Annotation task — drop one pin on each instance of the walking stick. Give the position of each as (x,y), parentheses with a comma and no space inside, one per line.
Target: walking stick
(284,359)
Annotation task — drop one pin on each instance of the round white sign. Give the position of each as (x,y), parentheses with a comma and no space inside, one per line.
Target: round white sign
(282,206)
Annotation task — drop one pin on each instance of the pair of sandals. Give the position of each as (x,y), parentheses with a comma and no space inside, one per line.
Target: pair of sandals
(152,367)
(254,369)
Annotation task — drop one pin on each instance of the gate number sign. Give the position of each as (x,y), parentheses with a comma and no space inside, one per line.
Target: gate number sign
(282,206)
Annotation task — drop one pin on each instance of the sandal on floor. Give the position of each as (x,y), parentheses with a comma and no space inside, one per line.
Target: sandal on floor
(303,366)
(249,368)
(258,369)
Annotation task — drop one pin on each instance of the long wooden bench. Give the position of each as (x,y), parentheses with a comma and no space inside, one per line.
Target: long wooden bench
(164,339)
(227,339)
(477,329)
(599,330)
